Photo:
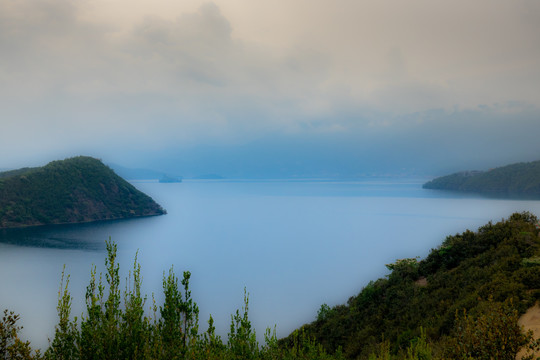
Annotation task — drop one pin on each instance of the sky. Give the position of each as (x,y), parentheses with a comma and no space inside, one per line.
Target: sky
(281,88)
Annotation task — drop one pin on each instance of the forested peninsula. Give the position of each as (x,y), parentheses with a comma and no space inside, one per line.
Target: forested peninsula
(521,179)
(74,190)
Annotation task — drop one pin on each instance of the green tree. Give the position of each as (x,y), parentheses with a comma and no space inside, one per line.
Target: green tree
(179,317)
(11,346)
(135,328)
(66,335)
(493,334)
(100,329)
(242,338)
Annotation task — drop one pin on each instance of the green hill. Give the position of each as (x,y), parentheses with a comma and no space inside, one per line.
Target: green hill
(79,189)
(522,179)
(492,274)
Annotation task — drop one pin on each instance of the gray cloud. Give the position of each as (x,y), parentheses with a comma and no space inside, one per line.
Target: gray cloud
(301,73)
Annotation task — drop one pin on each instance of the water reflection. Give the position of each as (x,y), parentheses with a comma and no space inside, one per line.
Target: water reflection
(87,237)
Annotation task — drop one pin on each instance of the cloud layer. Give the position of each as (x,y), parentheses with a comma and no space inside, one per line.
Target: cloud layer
(432,82)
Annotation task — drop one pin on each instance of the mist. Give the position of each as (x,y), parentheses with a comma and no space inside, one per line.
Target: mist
(308,89)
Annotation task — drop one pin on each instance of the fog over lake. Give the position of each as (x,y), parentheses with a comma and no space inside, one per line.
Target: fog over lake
(293,245)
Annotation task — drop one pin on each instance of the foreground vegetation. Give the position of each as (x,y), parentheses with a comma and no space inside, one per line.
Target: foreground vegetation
(122,325)
(78,189)
(465,294)
(461,302)
(522,179)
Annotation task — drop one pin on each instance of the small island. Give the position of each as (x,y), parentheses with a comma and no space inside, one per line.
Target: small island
(520,180)
(75,190)
(165,179)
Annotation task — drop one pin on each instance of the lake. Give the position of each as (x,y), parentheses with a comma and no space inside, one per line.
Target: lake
(293,245)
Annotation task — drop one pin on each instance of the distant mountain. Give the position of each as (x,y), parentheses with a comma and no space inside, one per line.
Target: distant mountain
(209,177)
(79,189)
(521,179)
(170,179)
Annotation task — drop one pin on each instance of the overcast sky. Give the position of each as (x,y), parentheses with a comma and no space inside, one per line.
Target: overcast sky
(271,88)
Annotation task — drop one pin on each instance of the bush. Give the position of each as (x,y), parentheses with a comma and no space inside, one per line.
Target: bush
(493,334)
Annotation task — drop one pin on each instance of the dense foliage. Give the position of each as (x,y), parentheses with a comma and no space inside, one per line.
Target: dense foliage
(522,179)
(461,302)
(472,272)
(74,190)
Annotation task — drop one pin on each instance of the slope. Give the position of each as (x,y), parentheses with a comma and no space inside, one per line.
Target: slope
(494,268)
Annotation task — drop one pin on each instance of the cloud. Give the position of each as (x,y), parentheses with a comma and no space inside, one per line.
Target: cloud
(228,74)
(164,80)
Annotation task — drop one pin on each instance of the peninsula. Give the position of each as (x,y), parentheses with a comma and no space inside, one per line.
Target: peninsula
(75,190)
(521,179)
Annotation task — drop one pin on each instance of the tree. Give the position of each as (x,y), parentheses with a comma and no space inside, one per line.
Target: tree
(493,334)
(179,324)
(66,335)
(11,346)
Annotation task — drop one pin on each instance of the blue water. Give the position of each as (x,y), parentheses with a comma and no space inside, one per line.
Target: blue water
(292,244)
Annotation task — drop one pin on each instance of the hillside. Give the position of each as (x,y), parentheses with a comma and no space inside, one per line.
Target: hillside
(79,189)
(491,274)
(521,179)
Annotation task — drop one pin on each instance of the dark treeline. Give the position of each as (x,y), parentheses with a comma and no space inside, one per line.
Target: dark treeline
(462,301)
(519,180)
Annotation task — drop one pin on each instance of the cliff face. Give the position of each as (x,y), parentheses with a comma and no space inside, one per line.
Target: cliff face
(80,189)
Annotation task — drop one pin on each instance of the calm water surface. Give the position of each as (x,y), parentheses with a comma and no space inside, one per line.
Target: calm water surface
(292,244)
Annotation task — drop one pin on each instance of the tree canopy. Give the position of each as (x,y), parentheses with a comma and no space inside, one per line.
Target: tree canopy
(79,189)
